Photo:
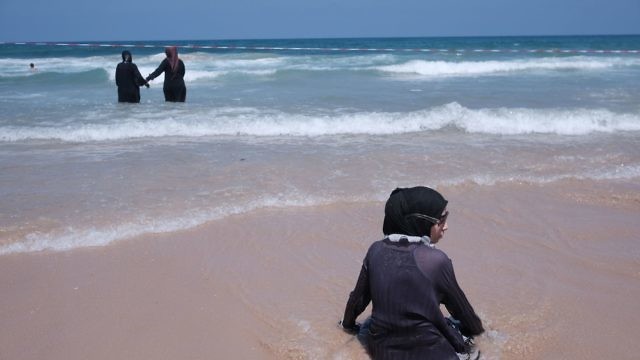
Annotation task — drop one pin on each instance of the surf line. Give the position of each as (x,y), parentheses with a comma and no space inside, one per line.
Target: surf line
(333,49)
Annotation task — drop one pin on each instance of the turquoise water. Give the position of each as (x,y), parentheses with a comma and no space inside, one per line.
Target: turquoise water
(79,169)
(303,86)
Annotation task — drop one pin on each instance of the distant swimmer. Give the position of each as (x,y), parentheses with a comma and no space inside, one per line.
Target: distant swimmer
(32,67)
(129,80)
(173,68)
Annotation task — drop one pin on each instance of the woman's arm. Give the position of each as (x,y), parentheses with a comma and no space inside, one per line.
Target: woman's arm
(456,302)
(139,79)
(181,70)
(159,70)
(358,300)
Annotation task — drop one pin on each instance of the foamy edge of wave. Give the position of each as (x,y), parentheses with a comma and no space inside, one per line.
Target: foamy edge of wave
(94,237)
(618,173)
(473,68)
(72,238)
(256,122)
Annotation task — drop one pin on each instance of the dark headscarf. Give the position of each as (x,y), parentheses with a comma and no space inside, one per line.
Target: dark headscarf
(126,56)
(172,56)
(405,201)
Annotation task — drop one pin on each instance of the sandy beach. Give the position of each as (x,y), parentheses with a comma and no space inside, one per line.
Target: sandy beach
(552,269)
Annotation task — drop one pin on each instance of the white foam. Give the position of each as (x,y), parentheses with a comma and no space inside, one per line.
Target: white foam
(18,67)
(205,66)
(105,125)
(73,238)
(475,68)
(201,65)
(512,121)
(619,172)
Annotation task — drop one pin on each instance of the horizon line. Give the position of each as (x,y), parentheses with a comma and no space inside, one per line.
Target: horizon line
(332,38)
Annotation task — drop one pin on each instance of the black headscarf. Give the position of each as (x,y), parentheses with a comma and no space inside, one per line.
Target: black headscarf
(126,56)
(405,201)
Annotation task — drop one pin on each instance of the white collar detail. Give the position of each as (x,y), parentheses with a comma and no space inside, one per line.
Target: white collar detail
(412,239)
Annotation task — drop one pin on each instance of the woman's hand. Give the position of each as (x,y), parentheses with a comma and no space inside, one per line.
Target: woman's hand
(351,330)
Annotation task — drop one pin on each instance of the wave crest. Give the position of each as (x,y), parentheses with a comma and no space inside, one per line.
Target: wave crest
(73,238)
(255,122)
(474,68)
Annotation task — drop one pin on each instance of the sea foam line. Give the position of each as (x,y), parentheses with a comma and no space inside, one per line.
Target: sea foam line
(73,238)
(210,66)
(471,68)
(269,123)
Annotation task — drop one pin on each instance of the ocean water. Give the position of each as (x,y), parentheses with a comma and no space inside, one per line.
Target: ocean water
(298,123)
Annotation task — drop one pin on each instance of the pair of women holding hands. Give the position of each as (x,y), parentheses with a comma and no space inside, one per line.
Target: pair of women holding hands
(129,79)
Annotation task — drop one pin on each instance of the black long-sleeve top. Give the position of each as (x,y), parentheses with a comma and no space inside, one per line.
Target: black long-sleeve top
(407,282)
(171,79)
(128,80)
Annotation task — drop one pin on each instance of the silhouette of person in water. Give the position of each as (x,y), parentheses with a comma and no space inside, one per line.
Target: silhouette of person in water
(129,80)
(32,67)
(174,88)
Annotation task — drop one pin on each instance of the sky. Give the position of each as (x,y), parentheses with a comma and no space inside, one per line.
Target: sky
(90,20)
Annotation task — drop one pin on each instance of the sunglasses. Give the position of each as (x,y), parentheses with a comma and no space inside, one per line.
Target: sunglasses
(442,220)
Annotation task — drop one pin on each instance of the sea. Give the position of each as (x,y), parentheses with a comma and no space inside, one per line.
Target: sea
(298,122)
(234,225)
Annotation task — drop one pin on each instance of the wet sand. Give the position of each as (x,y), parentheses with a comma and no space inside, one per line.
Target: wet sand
(553,270)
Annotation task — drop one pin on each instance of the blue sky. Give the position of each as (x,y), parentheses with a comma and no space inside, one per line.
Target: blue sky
(89,20)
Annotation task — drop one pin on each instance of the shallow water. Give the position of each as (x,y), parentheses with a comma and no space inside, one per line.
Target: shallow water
(551,269)
(305,127)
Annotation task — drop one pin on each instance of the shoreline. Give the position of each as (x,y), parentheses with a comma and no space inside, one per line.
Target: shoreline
(552,269)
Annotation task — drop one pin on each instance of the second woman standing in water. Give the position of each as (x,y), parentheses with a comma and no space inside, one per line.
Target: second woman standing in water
(173,68)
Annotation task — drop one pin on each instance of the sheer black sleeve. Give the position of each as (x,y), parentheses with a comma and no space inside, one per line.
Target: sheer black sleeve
(456,302)
(139,78)
(161,68)
(358,299)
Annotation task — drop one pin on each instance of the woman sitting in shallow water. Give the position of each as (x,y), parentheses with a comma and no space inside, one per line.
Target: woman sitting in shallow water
(407,278)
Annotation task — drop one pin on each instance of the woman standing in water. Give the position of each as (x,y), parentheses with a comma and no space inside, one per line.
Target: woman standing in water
(407,279)
(129,80)
(173,68)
